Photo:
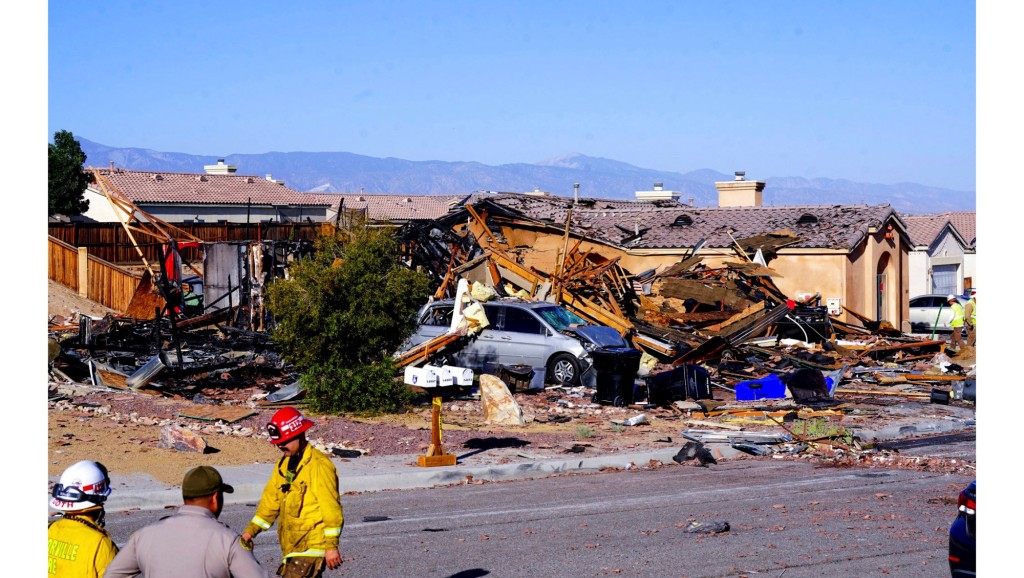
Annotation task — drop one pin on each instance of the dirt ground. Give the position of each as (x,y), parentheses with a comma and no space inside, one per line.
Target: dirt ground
(122,428)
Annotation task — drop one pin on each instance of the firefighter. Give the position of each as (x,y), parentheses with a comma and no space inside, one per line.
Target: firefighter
(302,496)
(78,544)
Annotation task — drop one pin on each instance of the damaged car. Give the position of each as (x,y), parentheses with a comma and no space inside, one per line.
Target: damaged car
(535,333)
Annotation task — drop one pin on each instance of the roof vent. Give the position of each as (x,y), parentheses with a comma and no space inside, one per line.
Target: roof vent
(158,177)
(250,180)
(201,178)
(682,221)
(807,219)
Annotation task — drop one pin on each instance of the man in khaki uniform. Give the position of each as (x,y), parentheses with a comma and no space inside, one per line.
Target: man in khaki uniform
(192,542)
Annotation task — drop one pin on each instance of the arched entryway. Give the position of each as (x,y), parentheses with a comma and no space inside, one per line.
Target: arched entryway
(885,280)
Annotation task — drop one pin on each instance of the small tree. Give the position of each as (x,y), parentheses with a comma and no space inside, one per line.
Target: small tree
(67,179)
(342,314)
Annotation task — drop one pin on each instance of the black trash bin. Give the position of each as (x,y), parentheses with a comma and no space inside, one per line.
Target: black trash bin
(679,383)
(615,373)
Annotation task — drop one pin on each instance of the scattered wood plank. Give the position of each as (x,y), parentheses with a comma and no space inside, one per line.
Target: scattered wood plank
(228,414)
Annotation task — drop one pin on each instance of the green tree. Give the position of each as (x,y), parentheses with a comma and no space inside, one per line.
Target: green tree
(342,314)
(68,179)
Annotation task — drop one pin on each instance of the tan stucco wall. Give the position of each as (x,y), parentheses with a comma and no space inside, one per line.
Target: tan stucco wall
(832,273)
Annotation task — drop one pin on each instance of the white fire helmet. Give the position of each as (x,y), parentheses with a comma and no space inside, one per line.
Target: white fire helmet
(84,485)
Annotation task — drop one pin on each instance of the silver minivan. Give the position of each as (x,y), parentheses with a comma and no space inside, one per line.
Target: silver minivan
(534,333)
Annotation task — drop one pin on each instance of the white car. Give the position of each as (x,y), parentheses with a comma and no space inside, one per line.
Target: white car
(534,333)
(928,312)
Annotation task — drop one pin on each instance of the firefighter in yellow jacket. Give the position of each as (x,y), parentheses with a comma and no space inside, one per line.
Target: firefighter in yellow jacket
(302,496)
(78,546)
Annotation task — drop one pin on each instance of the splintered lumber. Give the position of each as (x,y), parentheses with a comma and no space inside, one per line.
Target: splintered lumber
(939,344)
(749,311)
(218,412)
(752,269)
(883,392)
(927,377)
(680,267)
(423,351)
(699,290)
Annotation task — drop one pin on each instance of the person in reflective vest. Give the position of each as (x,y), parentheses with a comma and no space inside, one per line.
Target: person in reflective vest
(957,323)
(302,497)
(971,318)
(78,545)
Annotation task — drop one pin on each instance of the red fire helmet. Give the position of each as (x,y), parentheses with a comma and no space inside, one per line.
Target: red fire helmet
(286,424)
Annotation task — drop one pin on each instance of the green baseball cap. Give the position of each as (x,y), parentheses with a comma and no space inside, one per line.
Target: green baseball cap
(203,481)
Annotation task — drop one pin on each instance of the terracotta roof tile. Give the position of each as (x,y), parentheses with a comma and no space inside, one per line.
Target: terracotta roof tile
(924,228)
(201,188)
(668,224)
(393,207)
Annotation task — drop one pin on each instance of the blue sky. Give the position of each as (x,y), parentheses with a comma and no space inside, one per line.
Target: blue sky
(871,91)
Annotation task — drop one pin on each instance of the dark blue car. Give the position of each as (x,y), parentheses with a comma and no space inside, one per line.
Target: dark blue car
(962,534)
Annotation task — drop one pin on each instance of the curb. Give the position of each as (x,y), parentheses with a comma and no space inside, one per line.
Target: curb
(144,493)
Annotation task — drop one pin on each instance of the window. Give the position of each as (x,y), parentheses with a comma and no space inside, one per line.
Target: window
(682,221)
(521,321)
(438,316)
(559,317)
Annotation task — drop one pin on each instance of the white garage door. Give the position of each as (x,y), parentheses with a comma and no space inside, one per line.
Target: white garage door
(944,279)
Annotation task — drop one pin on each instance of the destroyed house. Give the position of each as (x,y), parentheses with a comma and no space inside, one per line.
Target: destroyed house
(852,256)
(217,195)
(939,255)
(381,209)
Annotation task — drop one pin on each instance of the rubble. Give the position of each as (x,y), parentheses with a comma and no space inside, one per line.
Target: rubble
(723,347)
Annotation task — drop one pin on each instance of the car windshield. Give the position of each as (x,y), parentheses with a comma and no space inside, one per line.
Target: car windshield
(559,317)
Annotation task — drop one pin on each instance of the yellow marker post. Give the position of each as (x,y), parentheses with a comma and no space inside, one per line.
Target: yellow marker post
(436,455)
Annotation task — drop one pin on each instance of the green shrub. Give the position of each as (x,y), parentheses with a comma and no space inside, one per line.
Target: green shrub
(342,314)
(584,432)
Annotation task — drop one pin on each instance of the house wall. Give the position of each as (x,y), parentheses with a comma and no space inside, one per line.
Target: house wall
(833,273)
(971,268)
(234,214)
(947,251)
(99,208)
(920,283)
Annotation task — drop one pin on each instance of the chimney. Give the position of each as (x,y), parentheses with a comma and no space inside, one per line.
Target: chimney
(659,193)
(220,168)
(740,192)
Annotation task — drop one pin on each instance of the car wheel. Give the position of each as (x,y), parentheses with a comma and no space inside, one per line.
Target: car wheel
(563,369)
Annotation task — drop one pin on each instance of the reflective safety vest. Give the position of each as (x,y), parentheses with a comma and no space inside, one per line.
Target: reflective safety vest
(78,548)
(958,315)
(974,311)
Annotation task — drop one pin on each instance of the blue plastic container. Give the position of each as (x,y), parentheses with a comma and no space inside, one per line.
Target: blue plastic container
(768,387)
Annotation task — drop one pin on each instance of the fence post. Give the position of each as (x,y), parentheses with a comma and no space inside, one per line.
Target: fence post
(83,272)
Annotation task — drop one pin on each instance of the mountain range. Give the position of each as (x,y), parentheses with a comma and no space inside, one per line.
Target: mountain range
(343,172)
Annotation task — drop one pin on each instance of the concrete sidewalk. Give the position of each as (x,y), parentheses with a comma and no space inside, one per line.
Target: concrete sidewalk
(401,472)
(376,473)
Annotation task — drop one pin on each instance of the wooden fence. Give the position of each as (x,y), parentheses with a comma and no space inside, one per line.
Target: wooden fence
(110,242)
(104,282)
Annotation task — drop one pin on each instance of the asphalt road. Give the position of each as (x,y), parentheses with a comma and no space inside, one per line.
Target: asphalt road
(785,518)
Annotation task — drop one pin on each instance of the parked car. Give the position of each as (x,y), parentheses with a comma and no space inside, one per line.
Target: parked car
(926,309)
(962,534)
(534,333)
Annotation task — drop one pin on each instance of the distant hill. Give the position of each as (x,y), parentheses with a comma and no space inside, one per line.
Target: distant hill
(341,172)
